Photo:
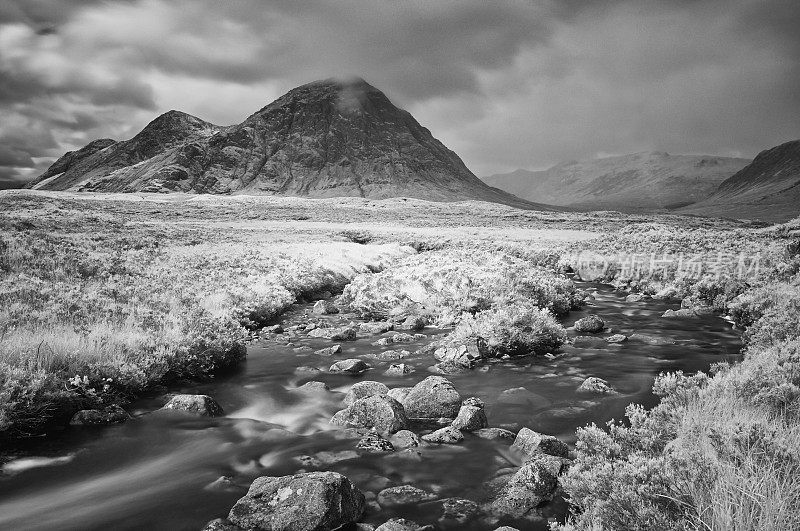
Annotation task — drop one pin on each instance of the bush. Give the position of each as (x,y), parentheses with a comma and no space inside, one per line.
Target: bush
(512,330)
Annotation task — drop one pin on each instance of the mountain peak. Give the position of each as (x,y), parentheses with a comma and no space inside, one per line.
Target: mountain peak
(327,138)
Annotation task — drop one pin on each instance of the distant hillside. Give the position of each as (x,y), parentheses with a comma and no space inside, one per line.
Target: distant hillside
(767,189)
(638,182)
(325,139)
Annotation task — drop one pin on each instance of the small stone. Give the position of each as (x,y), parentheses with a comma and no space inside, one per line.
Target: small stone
(446,435)
(530,443)
(202,405)
(329,351)
(343,333)
(590,324)
(363,390)
(398,524)
(398,369)
(683,313)
(387,355)
(595,385)
(352,366)
(635,297)
(273,329)
(617,338)
(470,418)
(403,495)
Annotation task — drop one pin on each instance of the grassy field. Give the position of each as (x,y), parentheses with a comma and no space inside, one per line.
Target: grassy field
(103,297)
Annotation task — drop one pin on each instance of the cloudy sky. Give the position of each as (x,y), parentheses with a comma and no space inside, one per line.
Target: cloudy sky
(506,84)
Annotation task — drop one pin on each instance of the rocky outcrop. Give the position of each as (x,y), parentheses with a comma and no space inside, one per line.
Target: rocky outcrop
(314,501)
(325,139)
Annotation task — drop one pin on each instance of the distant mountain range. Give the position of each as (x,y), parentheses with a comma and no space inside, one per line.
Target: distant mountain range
(767,189)
(324,139)
(630,183)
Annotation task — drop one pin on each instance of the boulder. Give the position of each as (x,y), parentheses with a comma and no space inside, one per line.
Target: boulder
(591,324)
(636,297)
(446,435)
(313,501)
(202,405)
(595,385)
(381,412)
(363,390)
(405,439)
(99,417)
(399,369)
(617,338)
(470,418)
(352,366)
(329,351)
(324,307)
(448,368)
(375,327)
(496,434)
(374,443)
(388,355)
(531,443)
(273,329)
(341,333)
(532,485)
(399,393)
(433,397)
(403,495)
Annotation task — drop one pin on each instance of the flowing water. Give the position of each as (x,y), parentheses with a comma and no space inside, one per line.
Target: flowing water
(158,471)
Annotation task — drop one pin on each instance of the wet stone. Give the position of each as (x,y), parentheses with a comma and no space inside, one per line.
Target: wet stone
(446,435)
(399,393)
(459,510)
(381,412)
(314,387)
(405,439)
(470,418)
(530,443)
(329,351)
(399,524)
(202,405)
(398,369)
(596,386)
(403,495)
(532,485)
(352,366)
(616,338)
(375,327)
(99,417)
(496,434)
(324,307)
(363,390)
(374,443)
(590,324)
(433,397)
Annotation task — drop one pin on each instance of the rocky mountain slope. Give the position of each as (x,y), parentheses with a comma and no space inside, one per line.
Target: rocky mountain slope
(767,189)
(637,182)
(324,139)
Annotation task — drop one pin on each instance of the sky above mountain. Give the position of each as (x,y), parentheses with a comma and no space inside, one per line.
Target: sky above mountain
(504,84)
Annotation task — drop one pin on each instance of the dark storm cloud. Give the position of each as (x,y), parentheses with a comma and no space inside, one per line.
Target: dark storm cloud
(520,83)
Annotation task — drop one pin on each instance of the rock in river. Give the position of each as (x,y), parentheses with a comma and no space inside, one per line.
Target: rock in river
(590,324)
(202,405)
(313,501)
(99,417)
(433,397)
(533,484)
(381,412)
(595,385)
(470,418)
(352,366)
(531,443)
(403,495)
(324,307)
(446,435)
(343,333)
(374,443)
(363,390)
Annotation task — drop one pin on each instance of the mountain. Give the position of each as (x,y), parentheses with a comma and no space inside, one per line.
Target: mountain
(637,182)
(766,189)
(324,139)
